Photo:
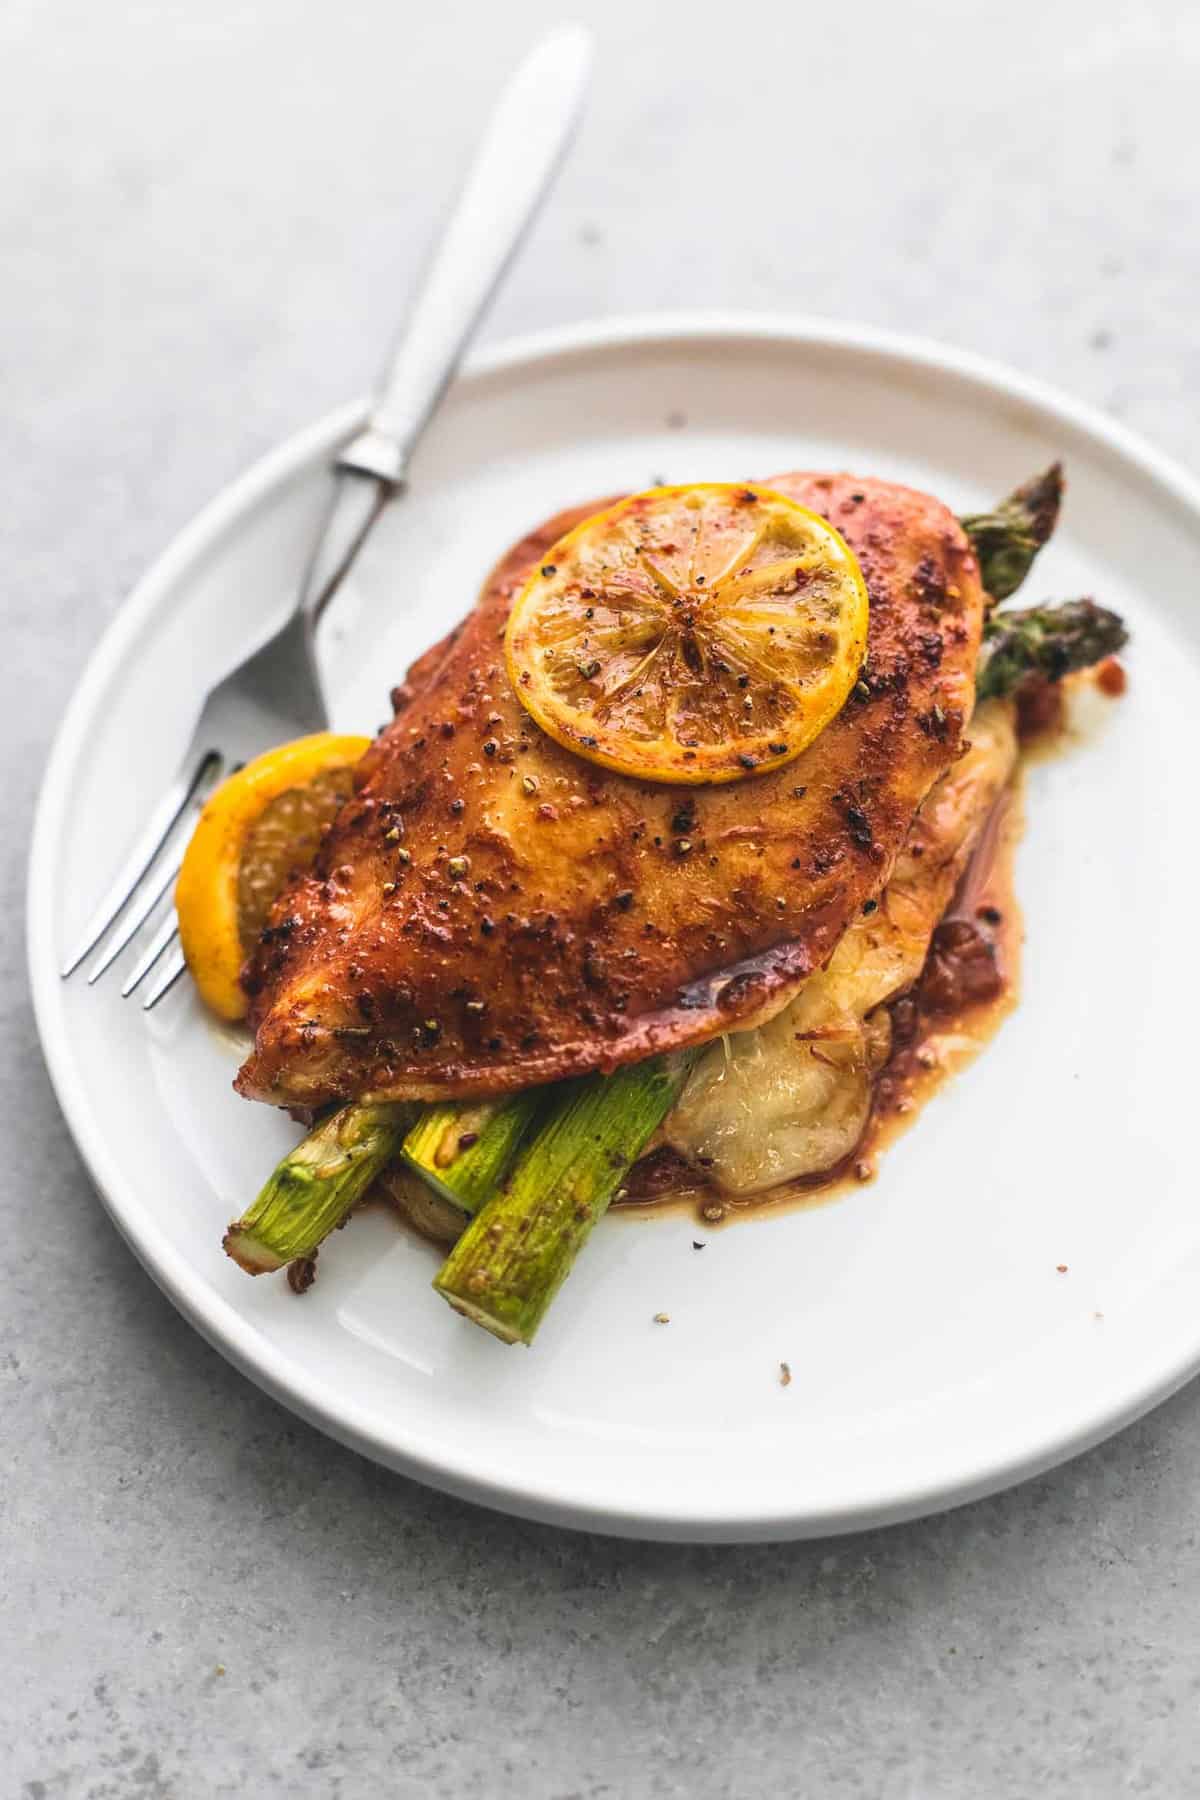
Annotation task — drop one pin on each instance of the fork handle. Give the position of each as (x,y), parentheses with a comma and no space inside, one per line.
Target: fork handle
(521,149)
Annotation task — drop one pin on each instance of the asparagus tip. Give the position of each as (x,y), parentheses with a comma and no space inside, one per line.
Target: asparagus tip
(1041,499)
(1007,539)
(1045,642)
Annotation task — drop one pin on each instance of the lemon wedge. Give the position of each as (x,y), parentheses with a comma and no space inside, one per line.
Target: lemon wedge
(259,826)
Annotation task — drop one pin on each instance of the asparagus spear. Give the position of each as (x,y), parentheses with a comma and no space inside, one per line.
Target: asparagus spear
(1007,539)
(316,1184)
(518,1249)
(1048,641)
(465,1151)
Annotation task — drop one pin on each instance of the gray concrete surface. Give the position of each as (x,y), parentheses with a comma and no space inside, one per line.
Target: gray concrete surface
(208,216)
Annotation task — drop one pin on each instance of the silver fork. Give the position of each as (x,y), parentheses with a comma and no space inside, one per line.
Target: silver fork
(275,692)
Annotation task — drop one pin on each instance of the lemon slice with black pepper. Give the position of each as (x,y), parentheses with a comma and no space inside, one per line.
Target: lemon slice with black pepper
(259,826)
(690,634)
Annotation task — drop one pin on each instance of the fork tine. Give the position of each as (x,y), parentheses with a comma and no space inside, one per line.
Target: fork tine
(175,966)
(140,858)
(166,933)
(134,920)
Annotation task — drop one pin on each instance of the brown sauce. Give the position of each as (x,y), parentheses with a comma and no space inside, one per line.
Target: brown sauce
(1041,712)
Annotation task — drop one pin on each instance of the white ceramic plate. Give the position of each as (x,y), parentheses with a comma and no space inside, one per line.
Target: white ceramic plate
(937,1353)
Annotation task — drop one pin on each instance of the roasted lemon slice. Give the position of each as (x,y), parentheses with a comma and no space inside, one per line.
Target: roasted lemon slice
(259,825)
(690,634)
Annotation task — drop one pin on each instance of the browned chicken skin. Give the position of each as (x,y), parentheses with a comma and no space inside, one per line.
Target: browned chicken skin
(490,912)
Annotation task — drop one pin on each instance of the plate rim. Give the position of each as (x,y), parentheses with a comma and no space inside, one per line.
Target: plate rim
(214,1317)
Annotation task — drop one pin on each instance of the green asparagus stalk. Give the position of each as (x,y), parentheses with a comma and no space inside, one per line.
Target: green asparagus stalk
(1049,641)
(465,1151)
(1007,539)
(518,1249)
(314,1187)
